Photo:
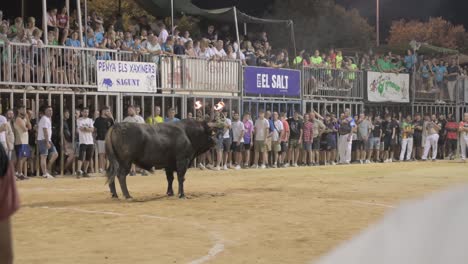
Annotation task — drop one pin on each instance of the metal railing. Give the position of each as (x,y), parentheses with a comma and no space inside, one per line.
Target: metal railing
(332,83)
(428,90)
(71,67)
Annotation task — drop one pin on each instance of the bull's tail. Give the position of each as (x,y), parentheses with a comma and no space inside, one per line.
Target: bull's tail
(113,163)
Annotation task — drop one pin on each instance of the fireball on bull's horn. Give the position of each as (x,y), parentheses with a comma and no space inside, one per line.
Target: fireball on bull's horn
(198,105)
(219,106)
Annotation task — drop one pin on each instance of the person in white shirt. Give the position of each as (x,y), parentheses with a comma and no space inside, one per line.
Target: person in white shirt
(3,129)
(153,48)
(218,50)
(224,144)
(85,127)
(163,34)
(275,141)
(261,130)
(238,131)
(132,117)
(44,142)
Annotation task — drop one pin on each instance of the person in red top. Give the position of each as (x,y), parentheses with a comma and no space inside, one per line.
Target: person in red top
(9,203)
(284,139)
(452,135)
(307,140)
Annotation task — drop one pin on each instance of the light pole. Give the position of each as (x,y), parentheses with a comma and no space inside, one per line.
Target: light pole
(377,22)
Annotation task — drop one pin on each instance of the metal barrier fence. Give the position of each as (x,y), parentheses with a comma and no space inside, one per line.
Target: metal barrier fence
(428,90)
(332,83)
(71,67)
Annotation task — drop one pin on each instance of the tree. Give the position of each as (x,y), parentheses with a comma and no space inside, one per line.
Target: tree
(436,31)
(321,24)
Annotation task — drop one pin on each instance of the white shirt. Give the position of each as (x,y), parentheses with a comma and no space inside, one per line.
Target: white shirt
(3,120)
(237,129)
(220,53)
(44,123)
(85,137)
(260,127)
(205,54)
(229,123)
(277,131)
(163,36)
(134,119)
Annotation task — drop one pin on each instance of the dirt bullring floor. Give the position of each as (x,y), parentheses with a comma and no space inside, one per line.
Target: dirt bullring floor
(249,216)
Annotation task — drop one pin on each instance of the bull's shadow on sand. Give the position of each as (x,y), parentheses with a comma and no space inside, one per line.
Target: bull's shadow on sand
(109,200)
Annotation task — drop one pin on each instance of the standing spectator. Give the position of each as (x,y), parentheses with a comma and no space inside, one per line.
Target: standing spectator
(268,139)
(52,24)
(432,137)
(85,133)
(407,130)
(463,129)
(275,139)
(388,128)
(179,48)
(248,138)
(227,140)
(16,28)
(440,73)
(410,61)
(9,204)
(295,139)
(3,132)
(128,42)
(205,52)
(418,125)
(10,137)
(21,127)
(153,48)
(261,132)
(211,34)
(171,116)
(317,129)
(68,141)
(30,27)
(345,141)
(102,124)
(364,129)
(44,142)
(452,136)
(168,46)
(189,49)
(316,60)
(307,141)
(284,140)
(157,118)
(132,117)
(442,122)
(62,24)
(453,72)
(163,34)
(238,131)
(332,130)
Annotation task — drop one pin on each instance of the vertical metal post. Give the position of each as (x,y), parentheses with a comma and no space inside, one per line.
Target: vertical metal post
(67,5)
(44,21)
(237,31)
(377,22)
(172,17)
(73,117)
(12,100)
(37,165)
(143,107)
(62,152)
(85,14)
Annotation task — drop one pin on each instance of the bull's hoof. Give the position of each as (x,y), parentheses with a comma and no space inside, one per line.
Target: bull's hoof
(182,196)
(115,196)
(170,194)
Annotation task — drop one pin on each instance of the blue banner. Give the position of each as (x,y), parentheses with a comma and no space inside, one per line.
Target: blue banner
(269,81)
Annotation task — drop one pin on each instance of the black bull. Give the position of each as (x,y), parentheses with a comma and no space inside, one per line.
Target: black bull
(171,146)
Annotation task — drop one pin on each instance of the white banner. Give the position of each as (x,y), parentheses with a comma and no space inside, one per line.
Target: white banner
(123,76)
(388,87)
(200,74)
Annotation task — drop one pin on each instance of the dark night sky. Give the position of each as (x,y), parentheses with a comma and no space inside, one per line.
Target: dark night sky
(453,10)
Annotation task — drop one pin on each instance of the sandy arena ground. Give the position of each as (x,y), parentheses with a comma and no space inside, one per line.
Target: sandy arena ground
(249,216)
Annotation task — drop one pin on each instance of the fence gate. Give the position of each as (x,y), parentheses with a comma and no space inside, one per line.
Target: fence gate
(201,106)
(147,104)
(253,106)
(335,107)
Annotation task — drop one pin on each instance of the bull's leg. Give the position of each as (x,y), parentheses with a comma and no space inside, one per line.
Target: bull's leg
(122,174)
(182,166)
(170,179)
(113,190)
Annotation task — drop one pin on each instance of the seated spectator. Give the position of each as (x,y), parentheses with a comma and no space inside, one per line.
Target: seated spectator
(73,41)
(205,51)
(52,24)
(249,53)
(16,27)
(230,54)
(186,37)
(168,46)
(280,61)
(137,46)
(30,27)
(262,60)
(128,42)
(179,48)
(153,48)
(90,39)
(316,60)
(189,50)
(218,50)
